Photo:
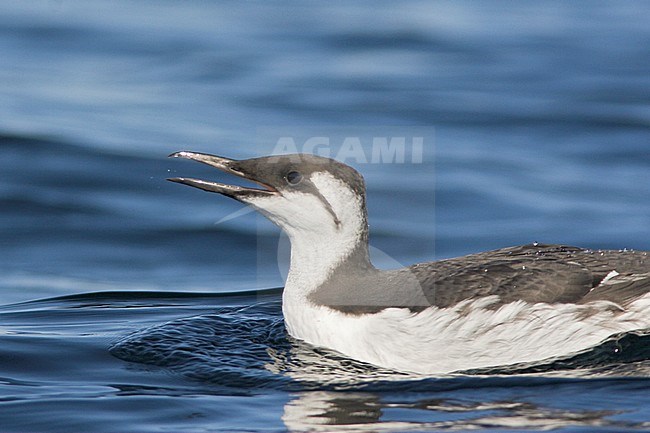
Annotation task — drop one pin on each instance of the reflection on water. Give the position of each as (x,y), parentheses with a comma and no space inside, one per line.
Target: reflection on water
(326,410)
(368,412)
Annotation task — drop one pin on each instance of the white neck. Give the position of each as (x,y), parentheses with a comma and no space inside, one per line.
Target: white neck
(315,254)
(325,229)
(313,259)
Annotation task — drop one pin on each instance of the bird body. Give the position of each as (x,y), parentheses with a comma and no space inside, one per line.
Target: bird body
(513,305)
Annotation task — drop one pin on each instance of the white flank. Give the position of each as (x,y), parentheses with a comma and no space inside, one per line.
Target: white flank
(469,335)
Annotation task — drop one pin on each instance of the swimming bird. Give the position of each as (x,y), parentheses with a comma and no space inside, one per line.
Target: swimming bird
(513,305)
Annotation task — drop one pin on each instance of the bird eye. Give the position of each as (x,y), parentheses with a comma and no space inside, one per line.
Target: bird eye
(293,177)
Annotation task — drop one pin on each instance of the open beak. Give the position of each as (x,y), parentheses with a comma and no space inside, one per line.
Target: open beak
(227,165)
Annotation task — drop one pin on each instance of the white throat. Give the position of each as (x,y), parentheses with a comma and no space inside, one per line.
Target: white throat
(324,231)
(318,249)
(324,227)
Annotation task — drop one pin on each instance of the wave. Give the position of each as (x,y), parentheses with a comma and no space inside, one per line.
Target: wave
(247,346)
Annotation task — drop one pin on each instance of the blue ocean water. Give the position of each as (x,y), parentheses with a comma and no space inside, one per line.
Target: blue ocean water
(128,303)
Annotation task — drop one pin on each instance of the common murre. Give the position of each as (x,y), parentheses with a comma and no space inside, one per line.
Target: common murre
(513,305)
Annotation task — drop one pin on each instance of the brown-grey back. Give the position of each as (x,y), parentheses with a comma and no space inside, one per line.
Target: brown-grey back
(531,273)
